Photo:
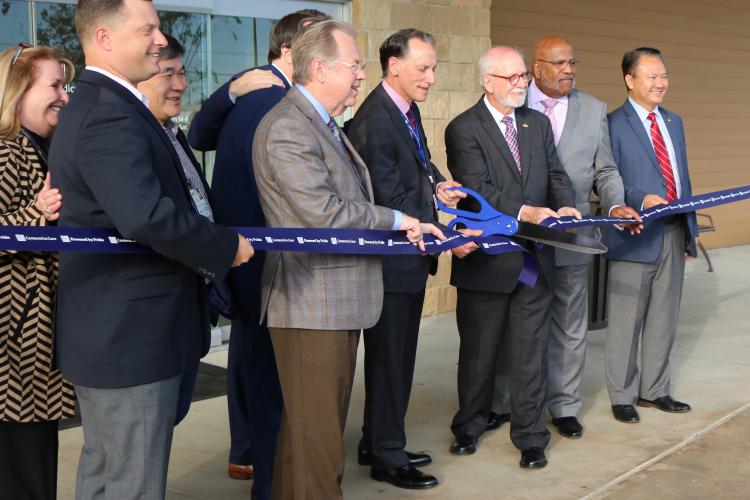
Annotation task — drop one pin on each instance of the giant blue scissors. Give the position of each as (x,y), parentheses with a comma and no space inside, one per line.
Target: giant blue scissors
(491,221)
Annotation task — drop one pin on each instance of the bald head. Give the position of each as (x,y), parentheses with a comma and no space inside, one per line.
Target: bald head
(499,59)
(554,66)
(504,78)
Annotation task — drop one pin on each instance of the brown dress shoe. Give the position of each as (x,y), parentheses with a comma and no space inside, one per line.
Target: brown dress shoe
(241,472)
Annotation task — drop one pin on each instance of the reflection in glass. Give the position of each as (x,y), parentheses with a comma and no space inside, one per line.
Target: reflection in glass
(55,26)
(14,23)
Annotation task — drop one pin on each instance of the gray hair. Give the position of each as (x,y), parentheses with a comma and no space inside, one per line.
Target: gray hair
(486,60)
(316,42)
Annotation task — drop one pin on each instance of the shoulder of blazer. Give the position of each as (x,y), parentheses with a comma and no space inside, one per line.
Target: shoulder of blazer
(670,115)
(469,117)
(375,104)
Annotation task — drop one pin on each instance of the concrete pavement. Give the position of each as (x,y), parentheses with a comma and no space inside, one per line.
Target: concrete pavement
(700,454)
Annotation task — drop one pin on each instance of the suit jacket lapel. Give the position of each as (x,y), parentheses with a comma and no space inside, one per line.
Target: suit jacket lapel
(496,136)
(359,167)
(524,140)
(317,123)
(128,96)
(676,136)
(571,119)
(640,132)
(399,125)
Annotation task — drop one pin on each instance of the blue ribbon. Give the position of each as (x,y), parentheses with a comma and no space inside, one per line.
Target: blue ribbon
(329,241)
(343,241)
(680,206)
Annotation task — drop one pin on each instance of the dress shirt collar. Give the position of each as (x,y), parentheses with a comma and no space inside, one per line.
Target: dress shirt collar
(536,96)
(137,93)
(316,103)
(401,103)
(497,115)
(288,81)
(643,112)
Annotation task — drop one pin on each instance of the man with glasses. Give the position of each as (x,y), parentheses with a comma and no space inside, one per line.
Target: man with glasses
(309,175)
(579,127)
(227,121)
(506,152)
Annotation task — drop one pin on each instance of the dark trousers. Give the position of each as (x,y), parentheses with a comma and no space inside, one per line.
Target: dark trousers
(254,399)
(390,350)
(484,320)
(28,460)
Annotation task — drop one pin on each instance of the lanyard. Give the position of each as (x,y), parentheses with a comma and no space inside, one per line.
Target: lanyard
(415,135)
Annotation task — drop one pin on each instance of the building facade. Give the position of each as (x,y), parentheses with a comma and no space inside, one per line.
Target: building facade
(705,44)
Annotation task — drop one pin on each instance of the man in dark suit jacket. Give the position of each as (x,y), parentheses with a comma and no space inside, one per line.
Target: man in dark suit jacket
(646,270)
(253,393)
(387,133)
(506,152)
(128,326)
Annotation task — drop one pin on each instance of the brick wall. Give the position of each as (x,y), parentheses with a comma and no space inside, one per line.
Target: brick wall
(462,32)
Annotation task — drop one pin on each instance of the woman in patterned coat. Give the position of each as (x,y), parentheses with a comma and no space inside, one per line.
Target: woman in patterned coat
(33,395)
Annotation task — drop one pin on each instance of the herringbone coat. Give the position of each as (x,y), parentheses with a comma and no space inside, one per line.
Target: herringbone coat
(31,389)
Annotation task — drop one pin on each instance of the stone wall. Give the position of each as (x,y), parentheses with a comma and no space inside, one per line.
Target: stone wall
(462,32)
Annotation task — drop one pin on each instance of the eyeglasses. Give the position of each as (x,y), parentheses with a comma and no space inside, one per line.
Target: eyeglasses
(514,79)
(20,48)
(561,64)
(360,66)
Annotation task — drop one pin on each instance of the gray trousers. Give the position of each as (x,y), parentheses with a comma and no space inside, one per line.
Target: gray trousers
(643,305)
(127,436)
(566,351)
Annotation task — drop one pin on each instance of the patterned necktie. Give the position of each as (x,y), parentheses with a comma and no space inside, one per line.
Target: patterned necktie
(512,139)
(335,130)
(412,120)
(662,156)
(549,106)
(191,174)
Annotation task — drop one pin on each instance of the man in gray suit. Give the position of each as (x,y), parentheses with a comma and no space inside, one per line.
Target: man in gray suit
(309,175)
(646,271)
(579,126)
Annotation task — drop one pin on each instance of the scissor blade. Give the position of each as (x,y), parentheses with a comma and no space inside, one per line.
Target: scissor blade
(561,239)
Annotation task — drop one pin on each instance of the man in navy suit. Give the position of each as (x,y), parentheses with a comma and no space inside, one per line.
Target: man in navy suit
(129,326)
(387,133)
(646,269)
(229,124)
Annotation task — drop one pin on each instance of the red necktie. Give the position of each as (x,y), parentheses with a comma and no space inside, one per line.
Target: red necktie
(662,156)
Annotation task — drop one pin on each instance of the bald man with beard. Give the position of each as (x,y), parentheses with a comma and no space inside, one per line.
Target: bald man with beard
(581,133)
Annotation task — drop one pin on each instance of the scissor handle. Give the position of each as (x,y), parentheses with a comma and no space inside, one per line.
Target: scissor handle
(486,211)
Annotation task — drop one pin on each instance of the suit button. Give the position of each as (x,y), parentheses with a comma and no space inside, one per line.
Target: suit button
(663,184)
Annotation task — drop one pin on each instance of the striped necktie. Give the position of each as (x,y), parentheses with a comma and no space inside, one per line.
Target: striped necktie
(662,156)
(512,139)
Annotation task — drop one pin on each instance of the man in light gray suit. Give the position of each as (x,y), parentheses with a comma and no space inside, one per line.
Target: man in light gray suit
(309,175)
(579,125)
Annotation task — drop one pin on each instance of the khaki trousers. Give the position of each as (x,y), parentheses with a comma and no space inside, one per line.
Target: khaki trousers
(316,371)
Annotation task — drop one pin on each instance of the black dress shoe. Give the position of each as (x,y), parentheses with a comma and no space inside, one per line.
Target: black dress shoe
(533,458)
(408,477)
(665,403)
(464,445)
(495,420)
(625,413)
(364,457)
(569,427)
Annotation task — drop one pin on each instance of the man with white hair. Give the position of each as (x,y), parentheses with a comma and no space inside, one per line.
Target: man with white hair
(506,152)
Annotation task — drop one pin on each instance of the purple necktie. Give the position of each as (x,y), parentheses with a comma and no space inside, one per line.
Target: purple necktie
(512,139)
